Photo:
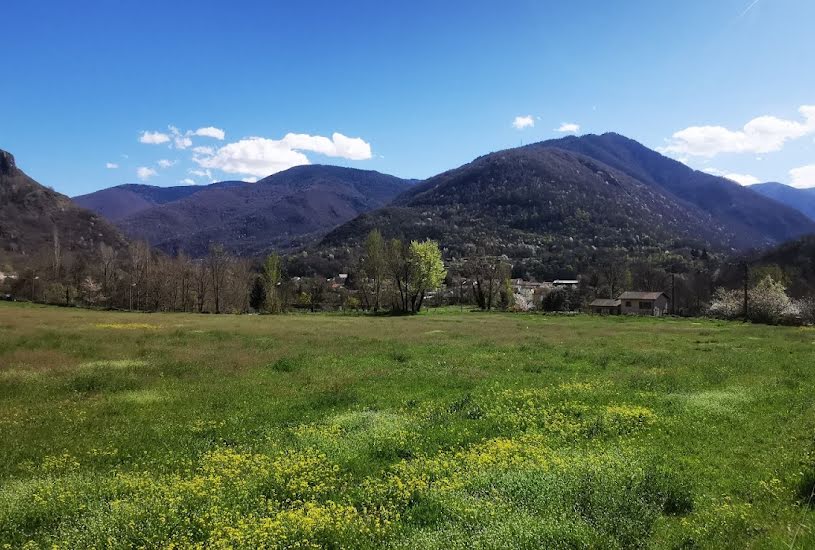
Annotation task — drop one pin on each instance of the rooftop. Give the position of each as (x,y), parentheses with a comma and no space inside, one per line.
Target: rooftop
(604,302)
(633,295)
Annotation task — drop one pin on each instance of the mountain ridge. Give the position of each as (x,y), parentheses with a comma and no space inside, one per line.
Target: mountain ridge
(281,212)
(754,220)
(31,213)
(120,201)
(802,200)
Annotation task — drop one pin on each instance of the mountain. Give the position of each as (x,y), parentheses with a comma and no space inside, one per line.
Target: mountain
(31,213)
(117,203)
(802,200)
(753,220)
(552,206)
(281,212)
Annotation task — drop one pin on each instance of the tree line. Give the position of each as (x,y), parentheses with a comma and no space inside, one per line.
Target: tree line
(393,275)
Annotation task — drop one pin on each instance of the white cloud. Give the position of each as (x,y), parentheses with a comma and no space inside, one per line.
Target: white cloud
(154,138)
(522,122)
(164,163)
(187,181)
(257,156)
(338,146)
(210,131)
(250,179)
(569,128)
(111,165)
(201,173)
(253,156)
(203,150)
(765,134)
(145,173)
(180,141)
(803,177)
(742,179)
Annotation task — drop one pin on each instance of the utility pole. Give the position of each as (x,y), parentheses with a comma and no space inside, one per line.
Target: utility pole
(746,282)
(673,293)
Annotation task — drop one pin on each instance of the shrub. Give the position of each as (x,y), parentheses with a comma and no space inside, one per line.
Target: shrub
(669,490)
(806,310)
(284,364)
(561,299)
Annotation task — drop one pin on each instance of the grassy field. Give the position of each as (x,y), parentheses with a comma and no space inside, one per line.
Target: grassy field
(445,430)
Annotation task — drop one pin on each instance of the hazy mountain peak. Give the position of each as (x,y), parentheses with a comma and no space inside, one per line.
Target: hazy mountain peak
(279,212)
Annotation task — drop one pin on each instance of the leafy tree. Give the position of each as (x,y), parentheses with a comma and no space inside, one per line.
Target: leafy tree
(374,264)
(316,293)
(271,282)
(507,301)
(561,299)
(555,300)
(427,269)
(257,297)
(415,269)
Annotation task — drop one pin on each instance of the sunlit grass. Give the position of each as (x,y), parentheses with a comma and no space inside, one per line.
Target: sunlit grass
(446,430)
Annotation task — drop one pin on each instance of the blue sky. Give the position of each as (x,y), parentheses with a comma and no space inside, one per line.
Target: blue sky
(411,88)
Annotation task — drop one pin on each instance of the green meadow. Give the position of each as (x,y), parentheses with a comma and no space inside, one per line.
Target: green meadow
(443,430)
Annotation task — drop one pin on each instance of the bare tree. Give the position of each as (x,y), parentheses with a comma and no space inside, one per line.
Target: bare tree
(107,262)
(57,254)
(645,276)
(399,268)
(218,263)
(486,274)
(613,272)
(200,275)
(242,277)
(184,271)
(140,256)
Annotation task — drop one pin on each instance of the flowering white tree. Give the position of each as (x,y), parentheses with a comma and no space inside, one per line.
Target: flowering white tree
(767,303)
(91,291)
(727,304)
